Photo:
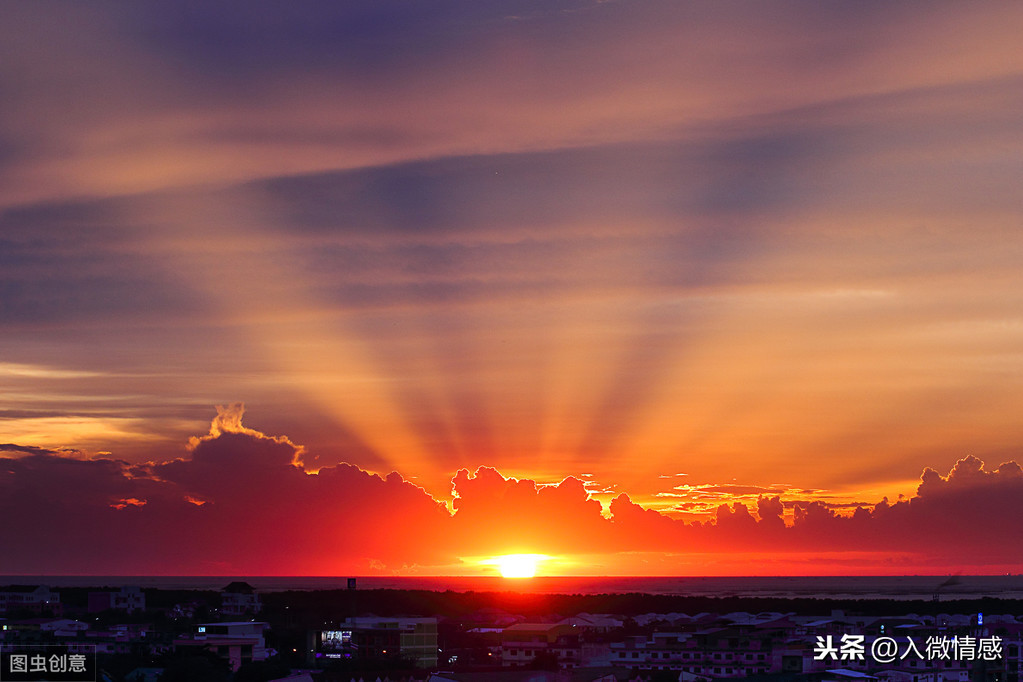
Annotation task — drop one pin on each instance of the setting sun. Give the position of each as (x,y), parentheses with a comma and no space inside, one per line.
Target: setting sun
(517,565)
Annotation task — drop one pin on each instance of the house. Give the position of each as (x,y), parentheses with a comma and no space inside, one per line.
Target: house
(64,627)
(129,599)
(373,637)
(239,599)
(714,652)
(238,642)
(593,623)
(34,598)
(523,642)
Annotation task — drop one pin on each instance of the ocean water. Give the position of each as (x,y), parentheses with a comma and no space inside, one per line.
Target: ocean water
(836,587)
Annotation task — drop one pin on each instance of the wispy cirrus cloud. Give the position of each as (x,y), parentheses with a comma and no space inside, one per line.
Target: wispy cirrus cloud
(775,243)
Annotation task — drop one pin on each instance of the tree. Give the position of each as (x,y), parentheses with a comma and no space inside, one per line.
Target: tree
(261,671)
(196,668)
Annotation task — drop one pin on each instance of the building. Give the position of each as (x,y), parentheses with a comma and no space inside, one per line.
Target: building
(589,622)
(64,627)
(238,642)
(128,599)
(719,652)
(239,599)
(843,675)
(523,642)
(371,637)
(34,598)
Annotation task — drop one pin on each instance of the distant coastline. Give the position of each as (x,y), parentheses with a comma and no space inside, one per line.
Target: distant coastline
(901,588)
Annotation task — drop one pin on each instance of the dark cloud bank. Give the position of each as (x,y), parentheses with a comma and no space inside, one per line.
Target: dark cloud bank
(242,502)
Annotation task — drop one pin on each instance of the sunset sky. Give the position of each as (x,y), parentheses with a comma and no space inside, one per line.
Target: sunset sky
(643,287)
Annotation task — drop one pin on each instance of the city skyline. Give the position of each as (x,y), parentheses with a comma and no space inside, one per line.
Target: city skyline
(636,288)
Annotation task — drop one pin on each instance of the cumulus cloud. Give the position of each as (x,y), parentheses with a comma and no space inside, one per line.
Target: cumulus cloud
(231,443)
(494,513)
(770,510)
(968,474)
(238,503)
(241,502)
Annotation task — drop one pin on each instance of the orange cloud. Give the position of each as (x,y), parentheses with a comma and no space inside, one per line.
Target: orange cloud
(241,502)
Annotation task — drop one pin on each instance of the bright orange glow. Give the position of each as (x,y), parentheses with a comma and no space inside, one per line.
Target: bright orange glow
(589,303)
(517,565)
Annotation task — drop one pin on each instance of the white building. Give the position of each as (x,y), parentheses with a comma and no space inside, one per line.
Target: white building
(29,597)
(238,642)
